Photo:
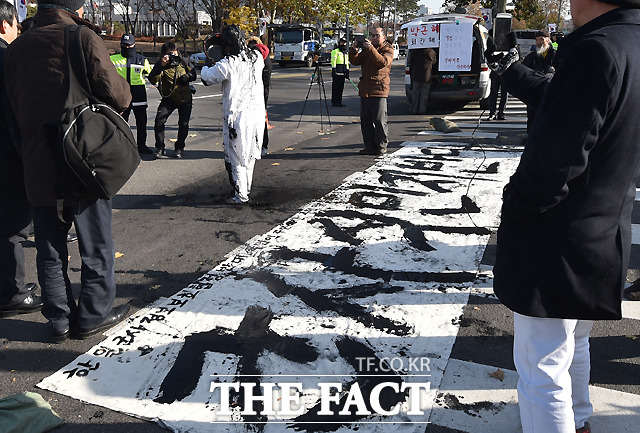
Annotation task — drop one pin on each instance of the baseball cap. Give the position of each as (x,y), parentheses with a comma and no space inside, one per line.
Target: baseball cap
(127,39)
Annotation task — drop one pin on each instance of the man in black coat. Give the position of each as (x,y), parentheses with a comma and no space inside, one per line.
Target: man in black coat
(565,236)
(421,63)
(16,297)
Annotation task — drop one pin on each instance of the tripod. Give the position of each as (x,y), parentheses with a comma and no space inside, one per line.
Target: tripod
(316,77)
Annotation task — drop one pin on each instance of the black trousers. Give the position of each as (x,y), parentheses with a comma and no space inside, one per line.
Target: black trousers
(373,123)
(97,276)
(15,219)
(165,109)
(140,113)
(337,87)
(497,86)
(265,137)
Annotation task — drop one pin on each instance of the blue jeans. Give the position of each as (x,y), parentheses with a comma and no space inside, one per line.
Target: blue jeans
(92,221)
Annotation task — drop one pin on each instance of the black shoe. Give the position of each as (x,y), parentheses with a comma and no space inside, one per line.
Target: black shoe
(159,153)
(368,151)
(371,151)
(491,117)
(144,150)
(30,304)
(32,287)
(178,154)
(59,336)
(117,315)
(71,237)
(501,116)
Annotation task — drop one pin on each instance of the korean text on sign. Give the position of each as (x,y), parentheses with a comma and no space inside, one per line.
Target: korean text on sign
(423,36)
(456,43)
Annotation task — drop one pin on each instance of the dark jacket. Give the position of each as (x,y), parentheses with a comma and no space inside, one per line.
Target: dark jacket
(565,235)
(376,67)
(37,87)
(420,64)
(11,173)
(174,81)
(541,64)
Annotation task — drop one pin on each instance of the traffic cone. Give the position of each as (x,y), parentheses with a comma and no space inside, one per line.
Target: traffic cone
(267,118)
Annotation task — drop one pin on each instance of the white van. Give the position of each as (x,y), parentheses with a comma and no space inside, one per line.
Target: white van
(461,72)
(295,43)
(526,40)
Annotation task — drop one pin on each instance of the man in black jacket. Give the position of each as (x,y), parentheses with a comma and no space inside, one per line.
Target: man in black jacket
(16,297)
(565,236)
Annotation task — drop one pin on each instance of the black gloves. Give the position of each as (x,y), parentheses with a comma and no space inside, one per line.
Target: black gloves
(209,62)
(500,62)
(346,74)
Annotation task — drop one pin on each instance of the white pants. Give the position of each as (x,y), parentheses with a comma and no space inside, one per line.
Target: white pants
(242,176)
(552,359)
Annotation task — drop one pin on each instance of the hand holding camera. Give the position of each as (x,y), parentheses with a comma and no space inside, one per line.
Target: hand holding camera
(172,60)
(501,62)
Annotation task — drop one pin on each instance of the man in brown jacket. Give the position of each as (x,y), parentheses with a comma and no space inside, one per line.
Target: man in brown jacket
(37,85)
(375,58)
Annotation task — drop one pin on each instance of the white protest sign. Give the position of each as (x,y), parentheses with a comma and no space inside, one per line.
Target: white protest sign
(552,28)
(423,36)
(456,42)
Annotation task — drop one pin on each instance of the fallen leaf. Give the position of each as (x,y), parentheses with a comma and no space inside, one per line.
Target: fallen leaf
(476,308)
(192,135)
(299,132)
(498,374)
(276,163)
(173,140)
(118,255)
(156,287)
(325,138)
(288,148)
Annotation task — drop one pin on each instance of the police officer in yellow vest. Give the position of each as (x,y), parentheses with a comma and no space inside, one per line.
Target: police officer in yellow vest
(339,72)
(132,66)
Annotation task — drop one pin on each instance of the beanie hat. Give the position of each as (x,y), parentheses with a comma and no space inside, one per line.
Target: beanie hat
(71,5)
(543,33)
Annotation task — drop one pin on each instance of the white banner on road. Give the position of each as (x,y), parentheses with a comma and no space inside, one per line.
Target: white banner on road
(343,316)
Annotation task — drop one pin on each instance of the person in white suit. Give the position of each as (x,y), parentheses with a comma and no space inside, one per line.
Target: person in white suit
(240,73)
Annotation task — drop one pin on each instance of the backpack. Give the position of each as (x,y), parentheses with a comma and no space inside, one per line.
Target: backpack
(98,152)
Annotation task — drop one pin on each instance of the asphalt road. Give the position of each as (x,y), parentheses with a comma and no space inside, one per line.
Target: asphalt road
(170,224)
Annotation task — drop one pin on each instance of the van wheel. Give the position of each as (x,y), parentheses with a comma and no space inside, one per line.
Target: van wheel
(484,104)
(309,61)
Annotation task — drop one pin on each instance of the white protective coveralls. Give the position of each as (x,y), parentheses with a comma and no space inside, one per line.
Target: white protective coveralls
(243,113)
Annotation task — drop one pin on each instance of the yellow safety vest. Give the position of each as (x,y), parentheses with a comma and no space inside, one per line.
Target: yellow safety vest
(132,71)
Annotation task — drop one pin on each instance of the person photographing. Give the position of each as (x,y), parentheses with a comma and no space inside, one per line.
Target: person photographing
(172,75)
(375,57)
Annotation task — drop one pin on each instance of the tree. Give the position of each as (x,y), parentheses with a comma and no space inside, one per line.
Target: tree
(179,15)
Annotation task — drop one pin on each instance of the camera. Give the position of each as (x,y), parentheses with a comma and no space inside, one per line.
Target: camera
(360,40)
(174,60)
